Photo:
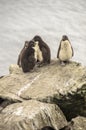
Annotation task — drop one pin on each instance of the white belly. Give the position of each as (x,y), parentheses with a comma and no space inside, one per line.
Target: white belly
(65,51)
(38,53)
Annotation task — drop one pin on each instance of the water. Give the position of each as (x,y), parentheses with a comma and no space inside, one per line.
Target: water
(21,20)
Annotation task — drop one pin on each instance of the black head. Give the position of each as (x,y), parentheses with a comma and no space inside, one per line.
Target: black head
(64,37)
(47,128)
(37,38)
(31,44)
(26,44)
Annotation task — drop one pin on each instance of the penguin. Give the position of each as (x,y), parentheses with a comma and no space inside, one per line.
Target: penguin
(47,128)
(43,51)
(65,51)
(22,51)
(28,59)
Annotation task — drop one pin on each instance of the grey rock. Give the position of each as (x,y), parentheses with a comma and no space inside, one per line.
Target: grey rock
(31,115)
(79,123)
(69,126)
(61,85)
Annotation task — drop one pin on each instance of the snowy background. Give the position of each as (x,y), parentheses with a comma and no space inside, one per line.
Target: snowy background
(21,20)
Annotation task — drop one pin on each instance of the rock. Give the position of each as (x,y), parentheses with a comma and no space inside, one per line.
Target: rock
(79,123)
(14,68)
(69,126)
(31,115)
(47,128)
(61,85)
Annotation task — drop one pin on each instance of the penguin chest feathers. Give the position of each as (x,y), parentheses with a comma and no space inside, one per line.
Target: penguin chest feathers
(38,52)
(65,52)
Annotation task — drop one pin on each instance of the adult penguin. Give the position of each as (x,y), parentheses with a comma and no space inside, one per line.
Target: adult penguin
(65,51)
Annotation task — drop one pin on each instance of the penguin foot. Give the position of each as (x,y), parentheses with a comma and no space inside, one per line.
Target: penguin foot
(66,62)
(40,64)
(62,63)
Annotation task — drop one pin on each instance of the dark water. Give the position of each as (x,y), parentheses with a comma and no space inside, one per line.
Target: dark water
(20,20)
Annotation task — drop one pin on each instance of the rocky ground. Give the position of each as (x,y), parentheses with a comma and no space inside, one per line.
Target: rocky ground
(52,95)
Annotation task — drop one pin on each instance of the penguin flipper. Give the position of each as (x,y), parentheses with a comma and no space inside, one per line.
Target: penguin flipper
(19,61)
(72,51)
(58,50)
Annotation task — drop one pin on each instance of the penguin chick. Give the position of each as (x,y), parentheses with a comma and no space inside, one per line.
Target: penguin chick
(28,58)
(21,53)
(43,53)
